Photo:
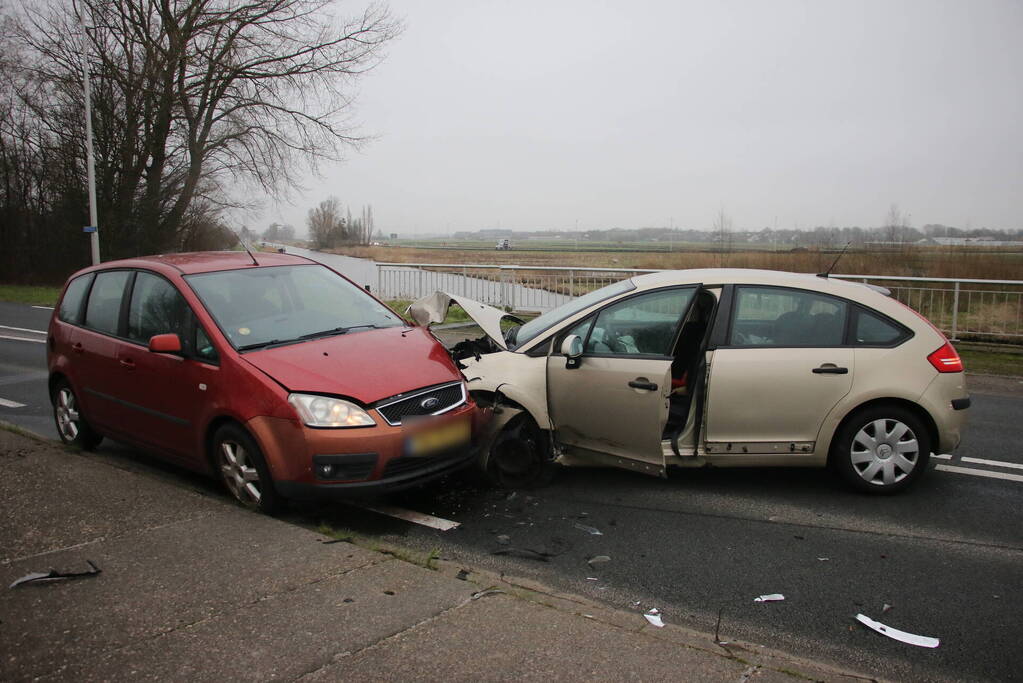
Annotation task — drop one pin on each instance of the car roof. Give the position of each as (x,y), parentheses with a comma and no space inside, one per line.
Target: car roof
(750,276)
(188,263)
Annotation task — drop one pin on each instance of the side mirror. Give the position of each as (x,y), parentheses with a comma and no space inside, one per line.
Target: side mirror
(165,343)
(572,350)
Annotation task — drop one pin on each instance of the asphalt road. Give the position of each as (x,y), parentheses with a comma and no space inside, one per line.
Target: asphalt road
(946,556)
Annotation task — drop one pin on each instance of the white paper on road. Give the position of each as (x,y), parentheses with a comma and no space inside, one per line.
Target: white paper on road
(896,634)
(654,618)
(773,597)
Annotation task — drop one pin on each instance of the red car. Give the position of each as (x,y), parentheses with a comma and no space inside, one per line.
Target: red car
(272,371)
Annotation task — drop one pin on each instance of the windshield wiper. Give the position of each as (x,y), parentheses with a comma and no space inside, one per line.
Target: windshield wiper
(266,344)
(338,330)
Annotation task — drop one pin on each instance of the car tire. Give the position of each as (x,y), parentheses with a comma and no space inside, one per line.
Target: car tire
(519,457)
(240,464)
(882,449)
(72,427)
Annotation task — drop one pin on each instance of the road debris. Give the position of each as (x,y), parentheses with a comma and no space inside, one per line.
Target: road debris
(654,617)
(524,552)
(823,559)
(896,634)
(503,539)
(773,597)
(599,559)
(462,574)
(593,531)
(887,608)
(54,575)
(484,593)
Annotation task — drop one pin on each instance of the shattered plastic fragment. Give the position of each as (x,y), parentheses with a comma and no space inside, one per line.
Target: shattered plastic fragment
(482,594)
(524,552)
(654,618)
(599,559)
(54,575)
(589,529)
(592,578)
(503,539)
(773,597)
(887,608)
(896,634)
(823,559)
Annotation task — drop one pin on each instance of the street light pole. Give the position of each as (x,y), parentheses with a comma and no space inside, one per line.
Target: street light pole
(90,160)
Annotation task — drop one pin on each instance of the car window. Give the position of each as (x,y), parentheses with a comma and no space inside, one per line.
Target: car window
(71,305)
(538,325)
(281,304)
(873,330)
(644,324)
(204,349)
(775,316)
(104,308)
(157,307)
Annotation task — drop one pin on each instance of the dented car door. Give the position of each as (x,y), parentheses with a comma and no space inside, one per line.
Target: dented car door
(613,400)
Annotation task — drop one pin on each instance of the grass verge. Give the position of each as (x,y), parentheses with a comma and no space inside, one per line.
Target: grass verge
(992,362)
(427,560)
(27,294)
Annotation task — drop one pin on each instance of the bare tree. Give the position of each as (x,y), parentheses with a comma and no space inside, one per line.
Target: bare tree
(194,96)
(723,234)
(326,226)
(896,226)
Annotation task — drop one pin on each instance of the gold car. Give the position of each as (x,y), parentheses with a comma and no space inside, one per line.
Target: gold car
(715,367)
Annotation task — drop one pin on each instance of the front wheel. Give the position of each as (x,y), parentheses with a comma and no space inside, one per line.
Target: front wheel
(882,450)
(519,456)
(241,466)
(72,427)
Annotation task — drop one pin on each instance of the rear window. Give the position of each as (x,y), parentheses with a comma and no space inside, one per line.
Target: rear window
(104,309)
(70,310)
(873,330)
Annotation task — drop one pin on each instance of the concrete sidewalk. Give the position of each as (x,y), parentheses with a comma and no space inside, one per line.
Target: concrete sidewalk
(195,588)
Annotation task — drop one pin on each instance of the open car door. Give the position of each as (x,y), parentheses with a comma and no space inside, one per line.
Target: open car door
(613,399)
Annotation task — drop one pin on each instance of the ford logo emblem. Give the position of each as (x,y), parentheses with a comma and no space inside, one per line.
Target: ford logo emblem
(429,403)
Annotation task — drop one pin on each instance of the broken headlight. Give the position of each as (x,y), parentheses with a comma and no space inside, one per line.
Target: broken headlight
(324,411)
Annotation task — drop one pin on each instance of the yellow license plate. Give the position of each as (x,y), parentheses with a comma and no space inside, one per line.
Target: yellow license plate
(429,440)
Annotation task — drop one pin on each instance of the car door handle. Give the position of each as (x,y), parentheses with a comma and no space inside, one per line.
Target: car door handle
(643,383)
(830,369)
(127,363)
(77,347)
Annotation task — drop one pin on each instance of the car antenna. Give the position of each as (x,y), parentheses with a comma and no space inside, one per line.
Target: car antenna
(246,248)
(827,272)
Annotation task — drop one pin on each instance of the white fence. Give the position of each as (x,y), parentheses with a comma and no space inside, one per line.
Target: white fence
(963,308)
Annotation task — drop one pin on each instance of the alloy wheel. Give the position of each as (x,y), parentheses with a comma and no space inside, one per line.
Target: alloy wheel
(239,473)
(67,414)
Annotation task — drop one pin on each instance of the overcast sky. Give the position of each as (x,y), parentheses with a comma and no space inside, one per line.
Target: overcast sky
(560,114)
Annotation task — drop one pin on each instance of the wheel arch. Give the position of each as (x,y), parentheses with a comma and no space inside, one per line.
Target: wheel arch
(915,408)
(209,457)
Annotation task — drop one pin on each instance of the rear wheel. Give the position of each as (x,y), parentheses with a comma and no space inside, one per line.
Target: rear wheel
(242,468)
(72,427)
(519,456)
(882,449)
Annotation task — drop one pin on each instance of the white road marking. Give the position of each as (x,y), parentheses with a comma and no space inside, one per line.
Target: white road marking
(994,463)
(10,404)
(48,308)
(413,516)
(980,473)
(22,329)
(37,341)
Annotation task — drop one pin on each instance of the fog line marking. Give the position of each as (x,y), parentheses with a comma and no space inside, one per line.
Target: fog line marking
(10,404)
(980,473)
(22,329)
(48,308)
(994,463)
(37,341)
(413,516)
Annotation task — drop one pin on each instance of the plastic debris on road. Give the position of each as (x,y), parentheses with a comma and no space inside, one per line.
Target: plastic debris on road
(54,575)
(482,594)
(599,559)
(773,597)
(654,617)
(524,552)
(593,531)
(896,634)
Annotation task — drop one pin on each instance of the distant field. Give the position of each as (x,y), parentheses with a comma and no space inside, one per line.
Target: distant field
(914,261)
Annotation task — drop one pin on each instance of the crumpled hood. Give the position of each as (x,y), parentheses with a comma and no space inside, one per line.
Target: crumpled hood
(366,365)
(434,309)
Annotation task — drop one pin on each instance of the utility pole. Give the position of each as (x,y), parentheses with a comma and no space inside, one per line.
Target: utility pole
(93,227)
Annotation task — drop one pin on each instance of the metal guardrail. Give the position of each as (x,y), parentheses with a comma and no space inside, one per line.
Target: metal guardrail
(961,308)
